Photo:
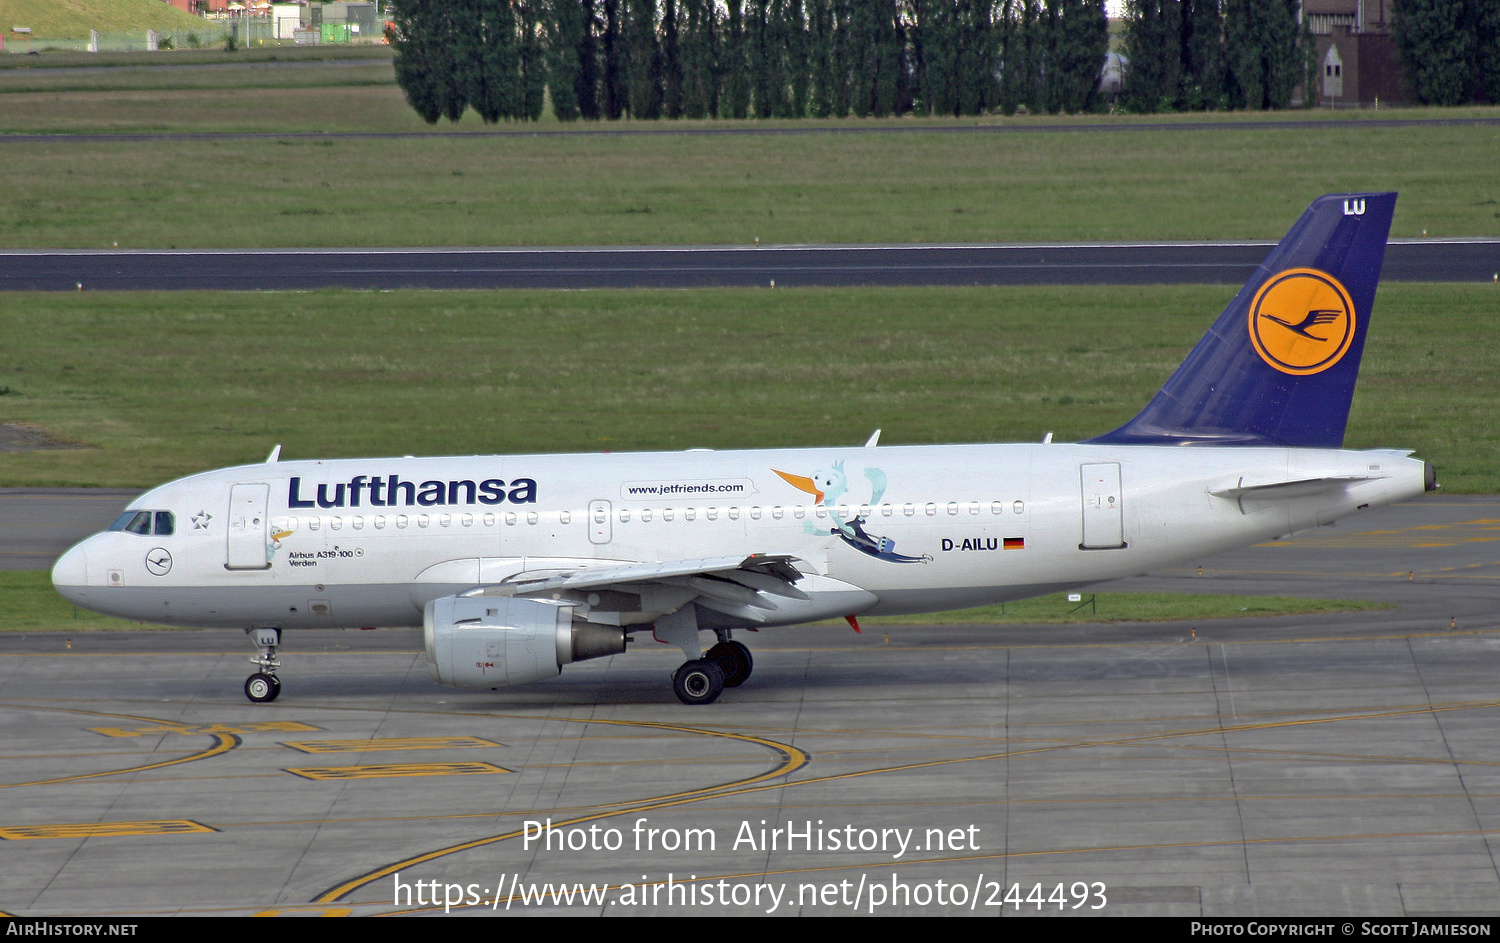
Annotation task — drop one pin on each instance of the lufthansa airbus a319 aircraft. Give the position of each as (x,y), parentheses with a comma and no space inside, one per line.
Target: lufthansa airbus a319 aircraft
(517,565)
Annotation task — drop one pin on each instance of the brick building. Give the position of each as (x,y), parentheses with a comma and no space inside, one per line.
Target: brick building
(1357,56)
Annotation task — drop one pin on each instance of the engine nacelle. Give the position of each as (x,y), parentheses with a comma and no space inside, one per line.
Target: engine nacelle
(487,642)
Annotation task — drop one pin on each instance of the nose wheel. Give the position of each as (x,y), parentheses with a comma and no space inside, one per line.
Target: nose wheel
(263,686)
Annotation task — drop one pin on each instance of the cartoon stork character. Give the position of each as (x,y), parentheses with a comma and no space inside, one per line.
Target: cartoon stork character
(828,486)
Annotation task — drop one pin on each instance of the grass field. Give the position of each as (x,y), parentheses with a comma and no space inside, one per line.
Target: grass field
(903,180)
(159,385)
(72,19)
(517,189)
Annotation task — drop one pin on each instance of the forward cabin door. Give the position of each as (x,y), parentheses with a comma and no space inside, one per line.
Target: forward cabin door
(248,533)
(1103,521)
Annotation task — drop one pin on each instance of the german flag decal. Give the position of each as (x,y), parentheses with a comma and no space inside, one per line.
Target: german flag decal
(1302,321)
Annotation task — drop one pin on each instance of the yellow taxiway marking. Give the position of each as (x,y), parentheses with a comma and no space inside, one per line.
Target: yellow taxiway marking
(494,903)
(397,769)
(392,743)
(748,787)
(272,726)
(791,760)
(1479,530)
(103,829)
(223,743)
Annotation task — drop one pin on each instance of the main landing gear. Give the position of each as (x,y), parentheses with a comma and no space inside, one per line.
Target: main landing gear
(701,681)
(263,686)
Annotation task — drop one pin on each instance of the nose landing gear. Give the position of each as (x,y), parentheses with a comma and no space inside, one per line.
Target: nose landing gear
(263,686)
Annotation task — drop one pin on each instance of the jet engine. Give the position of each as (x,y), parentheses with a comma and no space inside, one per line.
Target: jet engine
(487,642)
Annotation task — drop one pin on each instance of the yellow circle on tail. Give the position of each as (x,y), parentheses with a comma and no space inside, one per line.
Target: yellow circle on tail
(1302,321)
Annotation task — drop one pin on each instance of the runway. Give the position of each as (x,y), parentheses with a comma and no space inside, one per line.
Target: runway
(1449,260)
(1340,765)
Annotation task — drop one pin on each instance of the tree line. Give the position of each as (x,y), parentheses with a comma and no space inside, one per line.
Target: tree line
(647,59)
(1191,55)
(1206,54)
(609,59)
(1450,49)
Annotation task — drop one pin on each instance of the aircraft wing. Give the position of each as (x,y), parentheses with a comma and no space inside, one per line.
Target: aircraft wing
(740,586)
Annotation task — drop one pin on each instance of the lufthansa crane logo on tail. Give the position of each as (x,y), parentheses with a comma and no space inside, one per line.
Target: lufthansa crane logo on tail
(1302,321)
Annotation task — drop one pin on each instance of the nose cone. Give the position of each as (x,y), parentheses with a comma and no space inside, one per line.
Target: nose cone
(70,575)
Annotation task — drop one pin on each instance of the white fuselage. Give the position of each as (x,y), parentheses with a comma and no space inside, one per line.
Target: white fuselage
(369,542)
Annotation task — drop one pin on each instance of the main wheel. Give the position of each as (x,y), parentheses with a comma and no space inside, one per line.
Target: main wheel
(733,658)
(698,682)
(262,688)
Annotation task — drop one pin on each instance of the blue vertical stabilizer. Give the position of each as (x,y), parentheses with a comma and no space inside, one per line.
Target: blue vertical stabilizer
(1278,366)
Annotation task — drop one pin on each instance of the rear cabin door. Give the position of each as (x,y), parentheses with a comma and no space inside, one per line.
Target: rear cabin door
(1103,524)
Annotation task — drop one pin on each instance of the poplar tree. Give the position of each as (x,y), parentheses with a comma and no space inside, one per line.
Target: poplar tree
(1079,39)
(564,38)
(490,65)
(1014,40)
(735,62)
(1202,55)
(532,59)
(614,96)
(826,52)
(643,59)
(699,24)
(1487,48)
(975,58)
(1436,40)
(424,42)
(1264,59)
(1153,47)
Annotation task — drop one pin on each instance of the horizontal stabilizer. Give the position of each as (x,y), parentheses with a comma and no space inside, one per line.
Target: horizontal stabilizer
(1300,488)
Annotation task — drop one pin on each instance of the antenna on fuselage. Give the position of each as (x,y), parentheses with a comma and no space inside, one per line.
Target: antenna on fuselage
(873,440)
(275,455)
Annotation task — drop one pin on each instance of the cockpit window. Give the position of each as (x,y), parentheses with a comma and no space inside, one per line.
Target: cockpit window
(137,522)
(140,522)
